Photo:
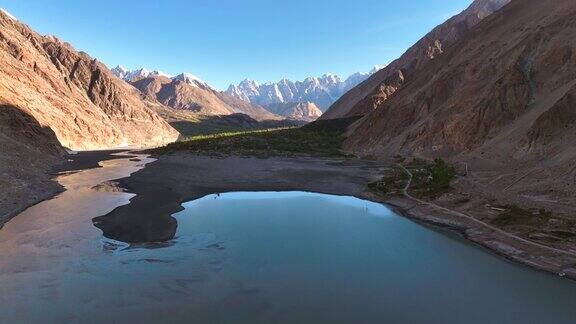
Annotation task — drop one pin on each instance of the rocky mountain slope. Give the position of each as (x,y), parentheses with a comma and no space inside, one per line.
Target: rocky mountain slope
(188,92)
(304,111)
(28,151)
(322,91)
(501,98)
(74,95)
(382,84)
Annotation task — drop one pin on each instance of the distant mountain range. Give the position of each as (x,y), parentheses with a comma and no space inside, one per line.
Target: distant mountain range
(188,92)
(321,91)
(142,73)
(304,101)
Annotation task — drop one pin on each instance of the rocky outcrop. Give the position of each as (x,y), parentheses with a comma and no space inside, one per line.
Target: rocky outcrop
(243,107)
(151,86)
(182,95)
(364,97)
(74,95)
(304,111)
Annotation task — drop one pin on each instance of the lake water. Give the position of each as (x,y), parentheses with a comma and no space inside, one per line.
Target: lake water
(262,257)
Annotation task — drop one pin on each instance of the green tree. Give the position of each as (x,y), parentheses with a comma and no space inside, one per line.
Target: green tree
(441,174)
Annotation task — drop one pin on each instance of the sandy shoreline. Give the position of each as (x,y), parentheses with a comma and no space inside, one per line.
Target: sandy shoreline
(43,185)
(164,185)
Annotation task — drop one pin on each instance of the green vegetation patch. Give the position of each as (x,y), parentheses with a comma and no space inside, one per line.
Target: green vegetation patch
(235,123)
(514,215)
(431,179)
(393,183)
(536,224)
(319,138)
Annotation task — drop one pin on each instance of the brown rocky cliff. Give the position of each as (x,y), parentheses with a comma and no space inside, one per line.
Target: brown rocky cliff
(150,87)
(364,97)
(303,111)
(73,94)
(242,107)
(503,96)
(181,95)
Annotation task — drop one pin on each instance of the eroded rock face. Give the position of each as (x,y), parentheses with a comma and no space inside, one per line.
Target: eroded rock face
(303,111)
(556,126)
(72,94)
(358,100)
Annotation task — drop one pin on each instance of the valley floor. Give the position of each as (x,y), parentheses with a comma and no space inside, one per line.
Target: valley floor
(164,185)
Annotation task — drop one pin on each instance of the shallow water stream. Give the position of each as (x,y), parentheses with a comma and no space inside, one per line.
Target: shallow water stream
(263,257)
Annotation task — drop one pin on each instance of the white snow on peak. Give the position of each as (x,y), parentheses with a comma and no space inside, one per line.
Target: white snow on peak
(137,74)
(377,68)
(142,73)
(190,79)
(4,11)
(322,91)
(160,73)
(120,72)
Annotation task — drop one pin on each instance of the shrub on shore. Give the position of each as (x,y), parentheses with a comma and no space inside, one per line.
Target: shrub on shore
(431,179)
(392,183)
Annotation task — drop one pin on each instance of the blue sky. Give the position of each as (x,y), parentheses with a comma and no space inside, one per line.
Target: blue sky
(225,41)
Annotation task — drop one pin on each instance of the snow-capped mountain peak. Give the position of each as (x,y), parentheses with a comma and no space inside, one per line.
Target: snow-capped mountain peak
(119,71)
(138,74)
(323,91)
(377,68)
(190,79)
(159,73)
(131,76)
(142,73)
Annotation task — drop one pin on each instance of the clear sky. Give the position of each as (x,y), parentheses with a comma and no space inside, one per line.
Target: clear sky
(226,41)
